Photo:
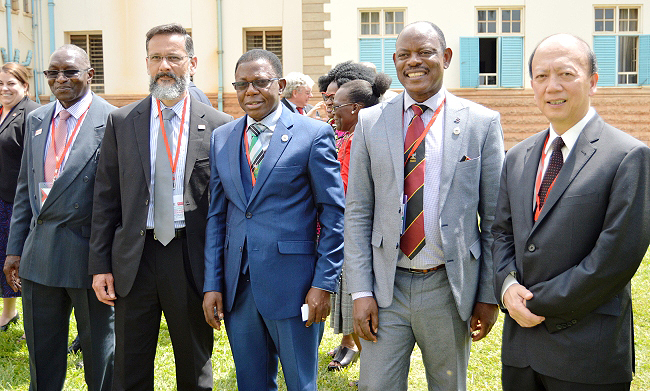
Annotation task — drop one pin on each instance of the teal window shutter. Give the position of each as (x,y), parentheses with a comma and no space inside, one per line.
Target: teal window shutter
(605,49)
(511,72)
(469,62)
(389,65)
(370,50)
(644,60)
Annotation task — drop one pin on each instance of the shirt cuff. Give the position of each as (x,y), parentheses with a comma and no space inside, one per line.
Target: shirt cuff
(510,280)
(358,295)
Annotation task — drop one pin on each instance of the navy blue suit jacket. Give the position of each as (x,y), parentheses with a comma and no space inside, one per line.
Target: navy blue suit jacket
(274,225)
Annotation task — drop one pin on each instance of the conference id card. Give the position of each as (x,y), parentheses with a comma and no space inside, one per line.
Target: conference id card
(44,189)
(179,213)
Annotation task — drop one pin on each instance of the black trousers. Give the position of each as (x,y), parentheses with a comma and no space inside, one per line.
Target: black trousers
(526,379)
(162,285)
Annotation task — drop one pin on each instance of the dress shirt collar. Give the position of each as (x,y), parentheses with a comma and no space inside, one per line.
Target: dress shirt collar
(293,105)
(177,108)
(270,120)
(571,135)
(77,109)
(432,103)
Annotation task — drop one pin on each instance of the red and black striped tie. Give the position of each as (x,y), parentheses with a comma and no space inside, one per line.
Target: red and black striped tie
(413,239)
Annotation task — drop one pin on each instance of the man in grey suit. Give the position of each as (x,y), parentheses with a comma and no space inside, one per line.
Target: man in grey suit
(571,229)
(428,268)
(50,227)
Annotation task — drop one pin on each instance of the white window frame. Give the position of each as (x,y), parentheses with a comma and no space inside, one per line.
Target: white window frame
(382,22)
(618,33)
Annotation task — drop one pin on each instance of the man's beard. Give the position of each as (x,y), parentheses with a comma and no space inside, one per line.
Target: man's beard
(169,92)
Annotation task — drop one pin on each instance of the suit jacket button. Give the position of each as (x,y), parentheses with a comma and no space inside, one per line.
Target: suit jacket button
(574,321)
(76,205)
(559,327)
(146,202)
(85,178)
(531,248)
(141,232)
(241,249)
(249,215)
(39,221)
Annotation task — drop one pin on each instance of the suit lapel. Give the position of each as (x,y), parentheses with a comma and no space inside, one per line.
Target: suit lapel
(18,109)
(233,153)
(277,145)
(141,128)
(392,117)
(529,176)
(582,152)
(195,139)
(84,147)
(455,117)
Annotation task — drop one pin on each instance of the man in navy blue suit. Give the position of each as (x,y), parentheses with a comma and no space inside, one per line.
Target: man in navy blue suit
(272,173)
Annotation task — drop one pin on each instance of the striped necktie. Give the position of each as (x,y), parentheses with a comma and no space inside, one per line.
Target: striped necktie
(413,239)
(255,150)
(554,167)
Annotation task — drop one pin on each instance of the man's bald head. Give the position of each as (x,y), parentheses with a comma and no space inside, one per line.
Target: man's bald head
(76,51)
(589,55)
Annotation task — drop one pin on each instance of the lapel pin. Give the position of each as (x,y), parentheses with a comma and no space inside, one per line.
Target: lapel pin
(15,114)
(285,138)
(37,132)
(456,131)
(201,127)
(457,120)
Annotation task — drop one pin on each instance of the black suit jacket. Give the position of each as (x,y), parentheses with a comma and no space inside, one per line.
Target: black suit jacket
(12,134)
(121,200)
(578,257)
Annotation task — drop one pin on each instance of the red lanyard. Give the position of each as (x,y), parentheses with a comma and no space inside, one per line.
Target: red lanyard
(250,166)
(424,133)
(178,142)
(538,181)
(60,158)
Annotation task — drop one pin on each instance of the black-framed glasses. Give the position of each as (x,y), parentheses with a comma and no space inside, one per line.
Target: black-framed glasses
(172,59)
(343,105)
(68,73)
(259,84)
(327,96)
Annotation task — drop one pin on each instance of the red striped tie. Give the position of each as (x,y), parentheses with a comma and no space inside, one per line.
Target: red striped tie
(413,239)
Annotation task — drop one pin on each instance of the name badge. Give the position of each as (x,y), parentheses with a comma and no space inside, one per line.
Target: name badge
(179,213)
(44,189)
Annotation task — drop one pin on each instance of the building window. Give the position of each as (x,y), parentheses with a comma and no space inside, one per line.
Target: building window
(92,44)
(27,6)
(494,58)
(620,50)
(15,5)
(270,40)
(378,30)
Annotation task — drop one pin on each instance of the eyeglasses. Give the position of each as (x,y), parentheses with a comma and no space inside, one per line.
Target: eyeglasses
(259,84)
(68,73)
(172,59)
(327,97)
(343,105)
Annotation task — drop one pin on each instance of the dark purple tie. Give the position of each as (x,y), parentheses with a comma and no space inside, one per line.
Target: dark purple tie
(554,167)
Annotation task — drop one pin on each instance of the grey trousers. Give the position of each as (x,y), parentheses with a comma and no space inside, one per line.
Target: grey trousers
(423,311)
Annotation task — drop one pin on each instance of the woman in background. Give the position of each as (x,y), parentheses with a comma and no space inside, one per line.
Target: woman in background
(16,105)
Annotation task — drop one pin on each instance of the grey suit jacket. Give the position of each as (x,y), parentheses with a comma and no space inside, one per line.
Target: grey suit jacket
(53,240)
(467,189)
(578,257)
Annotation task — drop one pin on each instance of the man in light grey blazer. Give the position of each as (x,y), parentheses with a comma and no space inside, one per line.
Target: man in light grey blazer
(435,291)
(571,229)
(50,228)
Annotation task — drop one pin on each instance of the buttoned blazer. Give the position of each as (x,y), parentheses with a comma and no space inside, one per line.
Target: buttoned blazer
(12,134)
(298,182)
(468,189)
(52,240)
(578,257)
(122,191)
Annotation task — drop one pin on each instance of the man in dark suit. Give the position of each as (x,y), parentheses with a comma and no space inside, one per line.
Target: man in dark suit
(571,229)
(150,204)
(50,227)
(296,94)
(273,172)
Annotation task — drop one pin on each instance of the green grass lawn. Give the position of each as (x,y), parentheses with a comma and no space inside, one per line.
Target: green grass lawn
(483,374)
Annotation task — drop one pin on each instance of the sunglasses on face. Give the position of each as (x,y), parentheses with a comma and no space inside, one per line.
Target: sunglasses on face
(259,84)
(68,73)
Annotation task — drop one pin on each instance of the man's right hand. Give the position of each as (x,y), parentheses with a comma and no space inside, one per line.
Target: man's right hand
(366,318)
(514,299)
(103,285)
(12,264)
(213,309)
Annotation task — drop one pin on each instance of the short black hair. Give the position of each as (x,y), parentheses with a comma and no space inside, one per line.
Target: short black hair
(260,54)
(360,91)
(345,72)
(169,29)
(591,56)
(441,35)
